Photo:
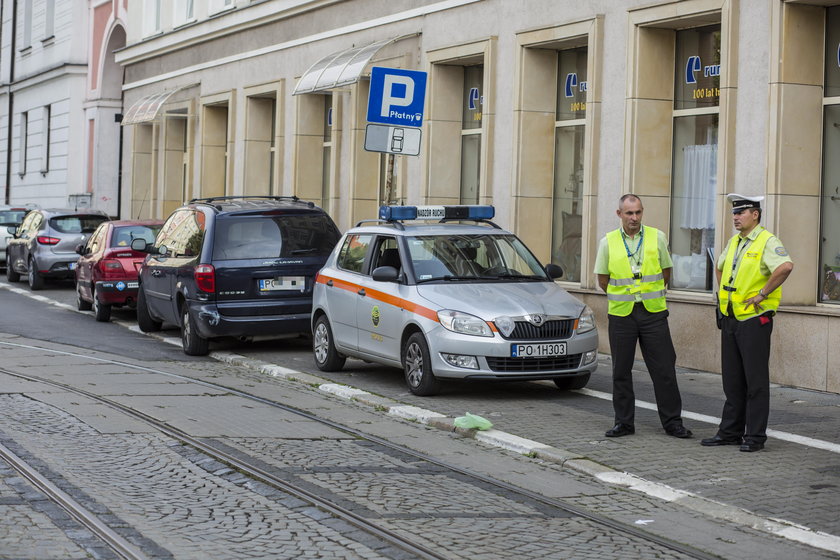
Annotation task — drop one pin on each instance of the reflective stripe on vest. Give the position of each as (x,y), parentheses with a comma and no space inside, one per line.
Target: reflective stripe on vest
(623,289)
(748,280)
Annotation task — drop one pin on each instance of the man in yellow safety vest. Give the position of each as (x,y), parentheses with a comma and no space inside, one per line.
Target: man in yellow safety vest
(750,272)
(633,267)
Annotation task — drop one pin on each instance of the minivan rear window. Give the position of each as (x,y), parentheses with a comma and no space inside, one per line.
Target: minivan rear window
(76,223)
(267,237)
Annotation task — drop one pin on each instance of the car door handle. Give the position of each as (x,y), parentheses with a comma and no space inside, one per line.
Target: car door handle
(329,283)
(361,292)
(156,273)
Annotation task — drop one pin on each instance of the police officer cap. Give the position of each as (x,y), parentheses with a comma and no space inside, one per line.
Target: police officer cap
(741,202)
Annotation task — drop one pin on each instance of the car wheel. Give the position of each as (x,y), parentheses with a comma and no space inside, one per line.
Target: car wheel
(36,281)
(11,274)
(81,304)
(327,357)
(571,383)
(194,345)
(101,311)
(418,367)
(144,319)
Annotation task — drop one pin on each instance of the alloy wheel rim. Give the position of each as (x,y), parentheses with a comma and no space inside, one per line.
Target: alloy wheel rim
(414,365)
(321,343)
(95,303)
(187,332)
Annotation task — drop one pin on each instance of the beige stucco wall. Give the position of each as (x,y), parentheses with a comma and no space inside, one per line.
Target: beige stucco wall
(770,118)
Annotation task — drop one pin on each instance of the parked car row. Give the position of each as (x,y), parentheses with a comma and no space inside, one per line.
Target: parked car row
(439,300)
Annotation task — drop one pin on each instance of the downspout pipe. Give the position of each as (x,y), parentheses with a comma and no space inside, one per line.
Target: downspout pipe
(8,188)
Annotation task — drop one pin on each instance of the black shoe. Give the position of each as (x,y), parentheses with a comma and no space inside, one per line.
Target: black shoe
(750,446)
(717,440)
(620,430)
(679,431)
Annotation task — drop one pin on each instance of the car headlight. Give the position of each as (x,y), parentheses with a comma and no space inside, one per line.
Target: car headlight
(463,323)
(586,321)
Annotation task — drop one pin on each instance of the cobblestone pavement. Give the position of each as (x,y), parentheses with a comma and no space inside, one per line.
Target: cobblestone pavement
(175,502)
(788,481)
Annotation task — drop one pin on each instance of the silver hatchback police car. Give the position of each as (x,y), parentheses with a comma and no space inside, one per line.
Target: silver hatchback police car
(448,300)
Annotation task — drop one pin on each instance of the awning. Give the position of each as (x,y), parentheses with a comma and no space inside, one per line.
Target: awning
(341,68)
(146,108)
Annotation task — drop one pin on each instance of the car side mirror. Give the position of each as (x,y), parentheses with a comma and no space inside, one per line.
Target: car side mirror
(385,274)
(12,230)
(139,245)
(163,251)
(554,271)
(80,249)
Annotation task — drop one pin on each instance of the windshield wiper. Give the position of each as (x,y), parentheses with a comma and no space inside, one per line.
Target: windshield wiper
(530,277)
(448,278)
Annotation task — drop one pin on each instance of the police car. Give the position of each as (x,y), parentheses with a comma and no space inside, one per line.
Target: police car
(448,300)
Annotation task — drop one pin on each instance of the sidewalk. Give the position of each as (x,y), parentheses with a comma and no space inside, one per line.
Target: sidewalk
(791,489)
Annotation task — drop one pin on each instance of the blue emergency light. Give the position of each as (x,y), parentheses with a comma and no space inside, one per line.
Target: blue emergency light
(461,212)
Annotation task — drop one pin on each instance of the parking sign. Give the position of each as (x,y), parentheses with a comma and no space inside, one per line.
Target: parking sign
(396,96)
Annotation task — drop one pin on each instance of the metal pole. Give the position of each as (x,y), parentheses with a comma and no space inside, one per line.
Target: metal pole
(389,180)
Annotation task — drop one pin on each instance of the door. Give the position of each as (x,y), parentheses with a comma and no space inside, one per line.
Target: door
(379,315)
(342,291)
(91,255)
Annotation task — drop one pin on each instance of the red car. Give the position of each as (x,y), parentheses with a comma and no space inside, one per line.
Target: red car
(107,269)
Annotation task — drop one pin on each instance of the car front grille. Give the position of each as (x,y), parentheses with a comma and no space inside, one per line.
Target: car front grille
(534,364)
(550,330)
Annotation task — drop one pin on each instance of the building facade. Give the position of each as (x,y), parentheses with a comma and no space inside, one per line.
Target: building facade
(60,86)
(548,109)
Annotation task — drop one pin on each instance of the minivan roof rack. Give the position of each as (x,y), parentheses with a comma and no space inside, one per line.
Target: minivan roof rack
(245,197)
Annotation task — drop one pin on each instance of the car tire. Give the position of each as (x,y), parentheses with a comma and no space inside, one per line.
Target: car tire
(101,312)
(36,281)
(194,344)
(11,274)
(417,365)
(144,319)
(81,304)
(326,356)
(572,383)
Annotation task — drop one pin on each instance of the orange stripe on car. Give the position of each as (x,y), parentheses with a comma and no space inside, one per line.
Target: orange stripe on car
(381,296)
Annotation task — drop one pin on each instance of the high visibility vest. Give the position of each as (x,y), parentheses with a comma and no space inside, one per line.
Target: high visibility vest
(748,280)
(623,286)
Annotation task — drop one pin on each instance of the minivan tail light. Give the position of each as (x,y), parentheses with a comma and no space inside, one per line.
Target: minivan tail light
(44,240)
(205,278)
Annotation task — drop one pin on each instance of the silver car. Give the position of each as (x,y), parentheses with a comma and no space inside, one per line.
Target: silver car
(449,300)
(10,216)
(44,244)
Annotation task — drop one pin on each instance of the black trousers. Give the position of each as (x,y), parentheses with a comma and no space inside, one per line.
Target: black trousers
(745,364)
(651,331)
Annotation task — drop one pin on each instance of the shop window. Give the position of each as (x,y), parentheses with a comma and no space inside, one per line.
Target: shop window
(326,150)
(23,143)
(695,155)
(569,135)
(471,133)
(830,199)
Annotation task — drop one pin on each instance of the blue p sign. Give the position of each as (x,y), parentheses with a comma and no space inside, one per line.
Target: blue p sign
(396,96)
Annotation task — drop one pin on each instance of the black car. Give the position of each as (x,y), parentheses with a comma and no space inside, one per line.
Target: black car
(234,267)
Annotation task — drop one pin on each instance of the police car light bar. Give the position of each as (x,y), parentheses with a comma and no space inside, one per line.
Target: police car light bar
(463,212)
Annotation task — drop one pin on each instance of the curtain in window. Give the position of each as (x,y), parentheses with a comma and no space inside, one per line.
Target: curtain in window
(697,208)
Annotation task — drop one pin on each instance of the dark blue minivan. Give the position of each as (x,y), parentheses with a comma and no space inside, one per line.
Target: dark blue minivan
(234,266)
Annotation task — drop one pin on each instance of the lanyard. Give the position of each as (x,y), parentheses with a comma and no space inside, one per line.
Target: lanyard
(630,255)
(741,246)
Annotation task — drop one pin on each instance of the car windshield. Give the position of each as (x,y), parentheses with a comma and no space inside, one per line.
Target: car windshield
(11,217)
(76,224)
(271,237)
(124,235)
(473,257)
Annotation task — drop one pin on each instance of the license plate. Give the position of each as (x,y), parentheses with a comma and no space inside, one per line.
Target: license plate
(543,350)
(283,284)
